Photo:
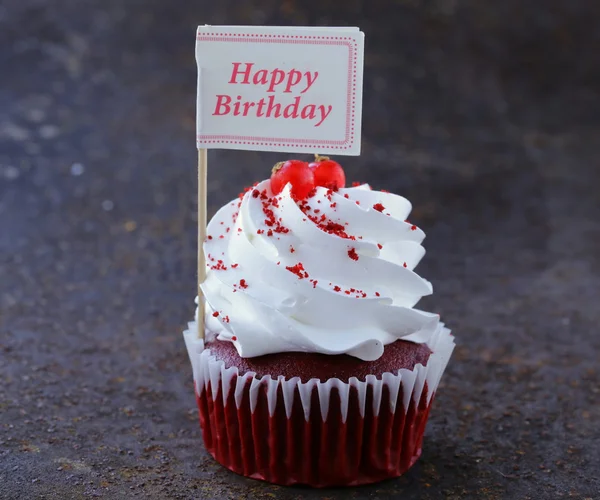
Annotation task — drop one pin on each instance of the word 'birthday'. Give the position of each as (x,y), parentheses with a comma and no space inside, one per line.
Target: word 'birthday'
(276,80)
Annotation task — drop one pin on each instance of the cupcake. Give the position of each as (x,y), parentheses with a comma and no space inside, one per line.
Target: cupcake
(316,368)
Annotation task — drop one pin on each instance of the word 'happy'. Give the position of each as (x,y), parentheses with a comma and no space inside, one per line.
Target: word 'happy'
(286,82)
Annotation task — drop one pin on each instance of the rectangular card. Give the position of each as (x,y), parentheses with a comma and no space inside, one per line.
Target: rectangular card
(283,89)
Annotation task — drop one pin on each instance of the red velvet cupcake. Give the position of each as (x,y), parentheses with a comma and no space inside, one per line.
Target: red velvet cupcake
(296,429)
(317,369)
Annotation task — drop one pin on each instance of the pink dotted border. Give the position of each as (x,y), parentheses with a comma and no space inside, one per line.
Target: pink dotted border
(294,39)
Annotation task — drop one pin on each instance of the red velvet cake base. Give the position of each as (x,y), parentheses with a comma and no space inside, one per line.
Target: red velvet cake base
(307,365)
(294,450)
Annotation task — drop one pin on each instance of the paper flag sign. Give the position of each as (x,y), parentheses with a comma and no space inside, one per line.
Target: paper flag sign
(280,88)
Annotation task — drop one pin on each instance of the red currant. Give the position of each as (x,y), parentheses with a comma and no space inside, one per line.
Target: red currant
(297,173)
(328,173)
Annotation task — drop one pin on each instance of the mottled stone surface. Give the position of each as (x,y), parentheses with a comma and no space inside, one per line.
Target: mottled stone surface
(485,114)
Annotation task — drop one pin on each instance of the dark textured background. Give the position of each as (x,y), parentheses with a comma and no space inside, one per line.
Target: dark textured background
(485,114)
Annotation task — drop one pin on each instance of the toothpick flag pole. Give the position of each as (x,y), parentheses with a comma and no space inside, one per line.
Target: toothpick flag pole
(202,161)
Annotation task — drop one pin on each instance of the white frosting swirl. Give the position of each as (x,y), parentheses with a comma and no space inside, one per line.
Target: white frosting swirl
(331,275)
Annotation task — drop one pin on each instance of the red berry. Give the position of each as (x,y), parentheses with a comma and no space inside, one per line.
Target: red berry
(328,173)
(298,174)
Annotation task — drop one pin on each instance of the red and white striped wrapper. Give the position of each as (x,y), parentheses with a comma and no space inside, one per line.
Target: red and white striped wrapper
(321,434)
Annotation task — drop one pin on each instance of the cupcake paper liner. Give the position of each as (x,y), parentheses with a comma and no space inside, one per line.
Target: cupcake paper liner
(321,434)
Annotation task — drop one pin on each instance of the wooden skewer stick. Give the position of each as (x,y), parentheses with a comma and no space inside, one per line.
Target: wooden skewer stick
(202,163)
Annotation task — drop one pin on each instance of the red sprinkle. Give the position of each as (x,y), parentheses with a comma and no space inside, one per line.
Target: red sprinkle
(355,184)
(270,220)
(298,270)
(226,319)
(219,266)
(379,245)
(292,249)
(352,254)
(209,237)
(234,265)
(405,265)
(376,294)
(327,225)
(337,289)
(246,189)
(234,338)
(379,207)
(413,228)
(243,283)
(215,314)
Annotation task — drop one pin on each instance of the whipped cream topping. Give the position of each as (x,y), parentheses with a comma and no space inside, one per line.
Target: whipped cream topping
(332,274)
